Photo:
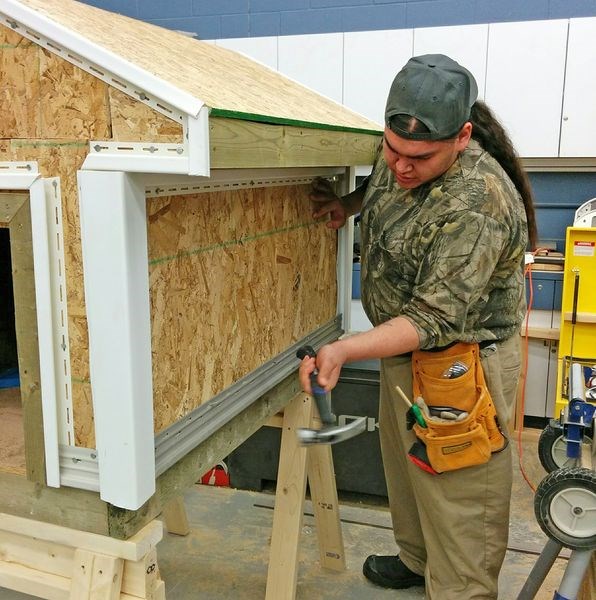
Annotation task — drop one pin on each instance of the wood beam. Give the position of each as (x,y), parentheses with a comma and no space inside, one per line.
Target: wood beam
(246,144)
(15,213)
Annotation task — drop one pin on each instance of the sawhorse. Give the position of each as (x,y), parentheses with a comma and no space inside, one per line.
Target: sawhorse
(296,464)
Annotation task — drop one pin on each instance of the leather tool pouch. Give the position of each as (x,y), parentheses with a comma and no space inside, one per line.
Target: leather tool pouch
(470,441)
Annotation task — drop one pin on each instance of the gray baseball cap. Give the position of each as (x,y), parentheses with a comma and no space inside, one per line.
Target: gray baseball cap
(436,90)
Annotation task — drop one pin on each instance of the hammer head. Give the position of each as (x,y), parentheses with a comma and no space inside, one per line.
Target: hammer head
(331,435)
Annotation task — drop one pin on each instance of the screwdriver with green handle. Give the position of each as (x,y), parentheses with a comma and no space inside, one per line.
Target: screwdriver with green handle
(413,407)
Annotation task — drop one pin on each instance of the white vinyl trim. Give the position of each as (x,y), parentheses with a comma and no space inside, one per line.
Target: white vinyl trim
(59,311)
(137,157)
(226,179)
(45,328)
(115,258)
(345,256)
(197,143)
(136,164)
(99,61)
(25,176)
(16,175)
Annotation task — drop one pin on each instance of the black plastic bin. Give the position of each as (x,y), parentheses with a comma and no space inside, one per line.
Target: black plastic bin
(357,462)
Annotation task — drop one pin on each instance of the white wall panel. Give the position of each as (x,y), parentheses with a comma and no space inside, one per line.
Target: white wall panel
(261,49)
(371,61)
(578,130)
(314,60)
(524,82)
(467,44)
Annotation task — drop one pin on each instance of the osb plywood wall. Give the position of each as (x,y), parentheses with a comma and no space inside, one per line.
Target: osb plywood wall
(49,110)
(236,278)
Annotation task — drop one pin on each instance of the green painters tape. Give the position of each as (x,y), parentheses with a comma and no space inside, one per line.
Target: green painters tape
(232,114)
(47,143)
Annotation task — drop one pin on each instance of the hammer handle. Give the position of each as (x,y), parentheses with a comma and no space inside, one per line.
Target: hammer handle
(319,394)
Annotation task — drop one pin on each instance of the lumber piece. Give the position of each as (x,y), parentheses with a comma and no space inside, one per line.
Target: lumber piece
(131,549)
(95,576)
(62,563)
(290,493)
(175,516)
(323,491)
(244,144)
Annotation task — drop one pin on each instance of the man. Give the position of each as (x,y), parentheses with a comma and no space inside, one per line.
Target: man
(445,216)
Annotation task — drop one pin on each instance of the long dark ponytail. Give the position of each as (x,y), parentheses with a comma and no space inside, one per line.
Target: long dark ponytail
(493,138)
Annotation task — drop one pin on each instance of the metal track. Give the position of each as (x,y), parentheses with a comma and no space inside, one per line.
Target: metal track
(179,439)
(79,467)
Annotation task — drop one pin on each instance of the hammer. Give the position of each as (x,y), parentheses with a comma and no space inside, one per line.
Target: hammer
(329,433)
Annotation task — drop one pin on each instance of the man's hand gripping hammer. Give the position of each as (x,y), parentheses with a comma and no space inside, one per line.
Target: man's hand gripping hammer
(330,433)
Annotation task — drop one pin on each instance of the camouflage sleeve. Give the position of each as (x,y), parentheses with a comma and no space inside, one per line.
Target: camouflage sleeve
(458,258)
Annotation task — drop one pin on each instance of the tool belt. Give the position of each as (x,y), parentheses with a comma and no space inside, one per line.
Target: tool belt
(471,440)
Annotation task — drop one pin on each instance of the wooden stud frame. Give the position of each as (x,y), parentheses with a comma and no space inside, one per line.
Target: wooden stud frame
(16,216)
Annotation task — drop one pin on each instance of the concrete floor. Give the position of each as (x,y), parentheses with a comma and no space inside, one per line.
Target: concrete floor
(225,555)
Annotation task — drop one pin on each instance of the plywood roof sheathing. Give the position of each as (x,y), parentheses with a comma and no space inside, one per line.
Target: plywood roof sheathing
(179,70)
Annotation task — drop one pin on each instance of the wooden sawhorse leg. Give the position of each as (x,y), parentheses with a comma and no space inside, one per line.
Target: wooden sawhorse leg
(295,462)
(175,517)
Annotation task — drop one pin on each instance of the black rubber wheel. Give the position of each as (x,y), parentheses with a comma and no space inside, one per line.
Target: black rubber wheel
(552,447)
(565,507)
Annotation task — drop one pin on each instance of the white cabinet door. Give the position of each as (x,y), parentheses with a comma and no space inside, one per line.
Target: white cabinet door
(314,60)
(524,82)
(371,61)
(551,385)
(537,380)
(578,128)
(466,44)
(261,49)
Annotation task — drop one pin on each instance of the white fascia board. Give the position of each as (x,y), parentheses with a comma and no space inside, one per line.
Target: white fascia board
(101,56)
(115,259)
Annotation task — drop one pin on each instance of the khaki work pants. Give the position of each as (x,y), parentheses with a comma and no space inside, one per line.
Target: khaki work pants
(452,527)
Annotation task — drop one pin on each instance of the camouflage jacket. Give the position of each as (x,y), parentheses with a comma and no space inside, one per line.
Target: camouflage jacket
(448,255)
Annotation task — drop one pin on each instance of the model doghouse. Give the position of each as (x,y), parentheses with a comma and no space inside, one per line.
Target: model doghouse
(160,254)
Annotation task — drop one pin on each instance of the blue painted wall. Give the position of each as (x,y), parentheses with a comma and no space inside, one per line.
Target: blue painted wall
(557,197)
(212,19)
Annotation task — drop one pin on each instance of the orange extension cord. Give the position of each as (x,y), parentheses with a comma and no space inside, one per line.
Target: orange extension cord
(528,273)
